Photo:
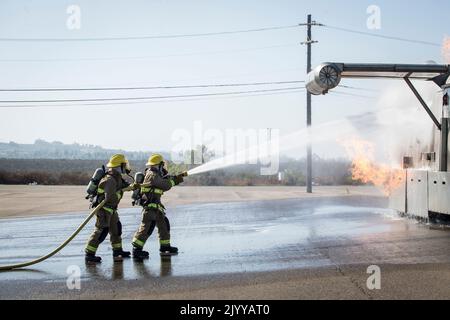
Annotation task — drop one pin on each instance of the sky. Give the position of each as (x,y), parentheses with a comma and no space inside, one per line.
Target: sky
(268,56)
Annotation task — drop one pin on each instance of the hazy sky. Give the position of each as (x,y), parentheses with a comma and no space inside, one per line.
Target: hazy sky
(248,57)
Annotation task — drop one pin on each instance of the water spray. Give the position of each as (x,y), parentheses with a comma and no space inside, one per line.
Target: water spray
(320,133)
(368,125)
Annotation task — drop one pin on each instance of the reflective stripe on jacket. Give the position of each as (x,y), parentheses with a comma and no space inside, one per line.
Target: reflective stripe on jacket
(157,186)
(157,206)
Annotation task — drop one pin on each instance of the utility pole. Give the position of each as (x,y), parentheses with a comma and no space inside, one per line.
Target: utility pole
(308,44)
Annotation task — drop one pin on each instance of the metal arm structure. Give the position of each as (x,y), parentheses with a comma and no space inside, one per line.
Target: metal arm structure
(327,76)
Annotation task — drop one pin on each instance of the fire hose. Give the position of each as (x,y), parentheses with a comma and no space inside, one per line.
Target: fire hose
(65,243)
(77,231)
(74,234)
(29,263)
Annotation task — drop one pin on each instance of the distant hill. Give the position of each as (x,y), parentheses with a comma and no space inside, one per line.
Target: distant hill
(42,149)
(78,172)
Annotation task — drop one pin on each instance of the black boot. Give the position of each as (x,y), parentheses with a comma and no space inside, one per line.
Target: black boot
(92,258)
(119,254)
(167,250)
(139,254)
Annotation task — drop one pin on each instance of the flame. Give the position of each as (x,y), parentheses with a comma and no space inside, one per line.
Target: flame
(365,169)
(446,49)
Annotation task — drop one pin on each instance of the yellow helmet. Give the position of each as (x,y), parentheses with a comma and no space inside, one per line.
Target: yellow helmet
(117,160)
(154,160)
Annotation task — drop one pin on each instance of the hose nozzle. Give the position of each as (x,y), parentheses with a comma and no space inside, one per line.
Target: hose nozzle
(184,174)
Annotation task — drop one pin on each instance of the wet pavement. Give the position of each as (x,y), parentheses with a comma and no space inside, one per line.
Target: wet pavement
(229,238)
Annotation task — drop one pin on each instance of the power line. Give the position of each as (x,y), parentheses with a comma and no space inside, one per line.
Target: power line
(357,88)
(207,34)
(152,87)
(188,35)
(227,96)
(383,36)
(153,57)
(198,97)
(148,98)
(246,75)
(173,87)
(351,94)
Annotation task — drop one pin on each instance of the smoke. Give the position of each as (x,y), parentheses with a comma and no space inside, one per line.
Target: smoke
(400,126)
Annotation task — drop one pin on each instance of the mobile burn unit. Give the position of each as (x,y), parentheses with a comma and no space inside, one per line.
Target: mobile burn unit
(424,190)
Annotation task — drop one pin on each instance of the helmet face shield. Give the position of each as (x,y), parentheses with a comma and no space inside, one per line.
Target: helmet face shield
(163,168)
(127,166)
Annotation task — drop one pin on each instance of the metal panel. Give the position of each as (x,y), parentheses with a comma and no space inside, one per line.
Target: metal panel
(417,193)
(397,196)
(439,192)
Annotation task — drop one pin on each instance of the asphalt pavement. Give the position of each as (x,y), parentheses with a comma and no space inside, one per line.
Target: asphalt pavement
(315,248)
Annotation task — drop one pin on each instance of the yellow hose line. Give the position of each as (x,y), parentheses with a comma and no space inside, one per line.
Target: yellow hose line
(29,263)
(65,243)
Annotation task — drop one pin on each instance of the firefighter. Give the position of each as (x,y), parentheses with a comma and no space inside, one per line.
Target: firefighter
(109,189)
(156,181)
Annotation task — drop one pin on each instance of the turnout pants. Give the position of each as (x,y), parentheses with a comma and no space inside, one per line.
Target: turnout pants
(107,222)
(152,217)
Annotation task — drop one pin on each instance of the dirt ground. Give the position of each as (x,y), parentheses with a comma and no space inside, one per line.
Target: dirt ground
(39,200)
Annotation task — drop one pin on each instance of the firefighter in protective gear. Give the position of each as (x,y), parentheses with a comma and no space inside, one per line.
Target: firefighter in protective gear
(156,181)
(109,189)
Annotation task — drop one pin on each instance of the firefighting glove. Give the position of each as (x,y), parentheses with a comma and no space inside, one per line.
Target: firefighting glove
(135,186)
(178,179)
(125,183)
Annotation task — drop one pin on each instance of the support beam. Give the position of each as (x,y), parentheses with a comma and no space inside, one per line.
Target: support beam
(422,102)
(444,133)
(443,159)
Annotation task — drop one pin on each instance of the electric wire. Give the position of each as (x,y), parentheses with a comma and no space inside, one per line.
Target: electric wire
(154,87)
(133,99)
(237,96)
(172,36)
(351,95)
(357,88)
(428,43)
(230,51)
(170,98)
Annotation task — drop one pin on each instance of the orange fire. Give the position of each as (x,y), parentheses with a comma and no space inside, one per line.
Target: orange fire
(365,169)
(446,49)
